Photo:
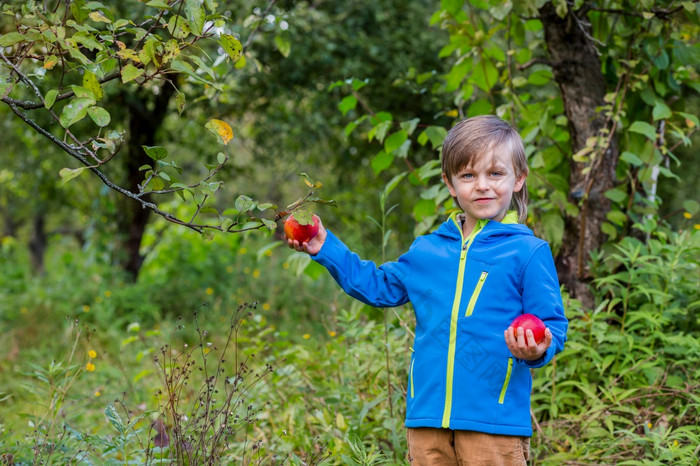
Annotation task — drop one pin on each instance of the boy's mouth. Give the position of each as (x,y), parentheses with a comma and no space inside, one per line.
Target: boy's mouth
(483,200)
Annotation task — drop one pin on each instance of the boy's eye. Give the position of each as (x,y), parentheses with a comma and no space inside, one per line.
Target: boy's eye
(496,173)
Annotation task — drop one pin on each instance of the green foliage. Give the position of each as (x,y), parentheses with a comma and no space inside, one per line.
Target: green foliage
(624,390)
(497,64)
(626,387)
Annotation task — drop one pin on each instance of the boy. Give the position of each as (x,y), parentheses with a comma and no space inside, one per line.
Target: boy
(468,399)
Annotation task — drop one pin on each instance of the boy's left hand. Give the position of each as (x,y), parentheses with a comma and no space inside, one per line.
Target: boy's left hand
(524,347)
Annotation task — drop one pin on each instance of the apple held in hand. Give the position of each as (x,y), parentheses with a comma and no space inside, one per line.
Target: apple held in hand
(302,230)
(529,321)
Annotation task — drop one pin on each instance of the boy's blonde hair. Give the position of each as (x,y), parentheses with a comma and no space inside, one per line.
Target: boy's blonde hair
(478,136)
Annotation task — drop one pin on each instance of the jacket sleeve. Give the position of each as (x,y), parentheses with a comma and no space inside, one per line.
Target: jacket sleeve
(542,297)
(377,286)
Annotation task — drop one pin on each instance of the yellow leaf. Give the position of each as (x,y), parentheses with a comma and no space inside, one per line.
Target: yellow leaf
(50,62)
(99,17)
(221,129)
(128,54)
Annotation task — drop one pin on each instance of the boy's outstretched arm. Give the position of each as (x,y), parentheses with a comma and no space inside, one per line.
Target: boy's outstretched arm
(314,245)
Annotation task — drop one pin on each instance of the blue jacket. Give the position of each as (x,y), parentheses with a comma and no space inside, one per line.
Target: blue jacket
(465,292)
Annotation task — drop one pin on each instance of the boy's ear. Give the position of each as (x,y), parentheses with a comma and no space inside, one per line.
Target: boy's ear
(519,183)
(448,182)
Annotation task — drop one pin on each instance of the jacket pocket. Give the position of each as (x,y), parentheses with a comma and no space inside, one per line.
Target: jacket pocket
(476,293)
(504,388)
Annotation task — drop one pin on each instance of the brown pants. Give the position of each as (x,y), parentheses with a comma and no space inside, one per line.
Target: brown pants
(442,447)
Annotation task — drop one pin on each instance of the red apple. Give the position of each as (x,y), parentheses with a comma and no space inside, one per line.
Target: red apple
(529,321)
(297,231)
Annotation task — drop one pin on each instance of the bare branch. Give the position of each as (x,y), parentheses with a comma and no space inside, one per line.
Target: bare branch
(534,61)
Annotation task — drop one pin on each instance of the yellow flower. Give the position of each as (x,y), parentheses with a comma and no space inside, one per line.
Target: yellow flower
(108,294)
(687,215)
(242,251)
(332,334)
(98,299)
(285,265)
(206,350)
(452,113)
(229,269)
(675,443)
(306,336)
(92,354)
(266,306)
(86,308)
(90,367)
(23,310)
(697,226)
(268,253)
(209,291)
(98,393)
(256,273)
(649,425)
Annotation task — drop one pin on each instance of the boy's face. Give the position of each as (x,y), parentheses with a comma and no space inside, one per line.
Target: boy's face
(485,189)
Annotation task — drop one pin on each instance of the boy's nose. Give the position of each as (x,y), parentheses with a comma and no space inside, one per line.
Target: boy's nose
(482,183)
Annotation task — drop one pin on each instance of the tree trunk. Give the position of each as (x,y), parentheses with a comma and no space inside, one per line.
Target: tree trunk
(146,114)
(577,70)
(38,243)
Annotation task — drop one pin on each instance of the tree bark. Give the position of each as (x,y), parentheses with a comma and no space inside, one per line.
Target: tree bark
(146,114)
(577,70)
(38,242)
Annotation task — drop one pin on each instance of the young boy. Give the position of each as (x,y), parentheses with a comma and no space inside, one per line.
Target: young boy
(468,397)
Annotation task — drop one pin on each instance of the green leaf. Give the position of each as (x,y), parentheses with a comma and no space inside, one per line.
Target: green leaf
(91,83)
(642,127)
(410,125)
(75,111)
(616,195)
(114,419)
(180,102)
(244,203)
(631,158)
(99,115)
(283,45)
(453,7)
(68,174)
(50,98)
(232,46)
(194,11)
(485,75)
(661,111)
(395,141)
(81,92)
(540,77)
(156,152)
(348,103)
(130,72)
(11,38)
(434,134)
(382,161)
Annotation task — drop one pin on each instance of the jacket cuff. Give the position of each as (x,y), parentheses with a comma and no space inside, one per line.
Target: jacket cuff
(543,360)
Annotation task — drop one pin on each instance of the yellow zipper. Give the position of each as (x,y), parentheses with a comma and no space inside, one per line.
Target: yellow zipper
(452,347)
(475,295)
(506,381)
(413,361)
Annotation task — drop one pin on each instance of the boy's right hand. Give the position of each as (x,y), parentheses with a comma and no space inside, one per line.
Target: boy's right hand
(314,245)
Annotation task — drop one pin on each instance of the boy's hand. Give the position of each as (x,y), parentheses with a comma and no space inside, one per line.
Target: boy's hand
(313,246)
(524,347)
